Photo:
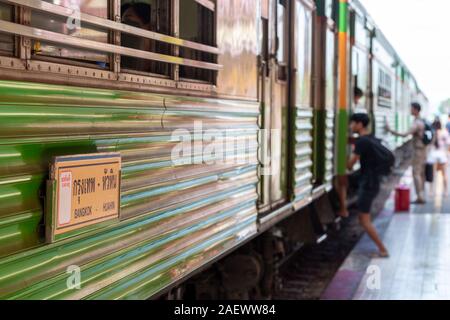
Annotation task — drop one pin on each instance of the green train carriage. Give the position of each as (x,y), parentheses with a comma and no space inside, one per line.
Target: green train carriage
(127,78)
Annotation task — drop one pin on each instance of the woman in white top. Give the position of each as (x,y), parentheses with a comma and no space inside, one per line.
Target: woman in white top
(439,154)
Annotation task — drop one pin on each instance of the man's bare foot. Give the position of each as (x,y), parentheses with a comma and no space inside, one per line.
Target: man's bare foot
(343,213)
(380,254)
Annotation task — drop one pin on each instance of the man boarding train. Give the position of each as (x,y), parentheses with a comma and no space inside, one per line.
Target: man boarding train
(372,156)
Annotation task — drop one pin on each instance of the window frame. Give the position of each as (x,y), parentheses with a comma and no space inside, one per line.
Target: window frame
(115,72)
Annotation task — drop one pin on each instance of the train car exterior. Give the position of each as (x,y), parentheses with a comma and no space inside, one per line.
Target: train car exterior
(360,52)
(220,88)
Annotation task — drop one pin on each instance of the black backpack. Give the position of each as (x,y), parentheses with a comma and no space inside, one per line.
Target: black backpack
(428,133)
(385,159)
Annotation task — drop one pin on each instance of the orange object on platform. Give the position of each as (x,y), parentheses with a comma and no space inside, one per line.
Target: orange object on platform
(402,198)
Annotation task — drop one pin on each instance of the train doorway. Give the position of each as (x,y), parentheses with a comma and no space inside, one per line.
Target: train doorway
(301,111)
(274,97)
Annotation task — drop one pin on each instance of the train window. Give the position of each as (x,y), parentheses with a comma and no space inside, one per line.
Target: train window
(360,67)
(330,65)
(87,31)
(360,31)
(355,62)
(72,27)
(152,15)
(197,24)
(6,40)
(384,89)
(303,54)
(281,31)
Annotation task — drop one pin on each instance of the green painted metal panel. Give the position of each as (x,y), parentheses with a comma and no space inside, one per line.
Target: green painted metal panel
(342,143)
(343,16)
(174,218)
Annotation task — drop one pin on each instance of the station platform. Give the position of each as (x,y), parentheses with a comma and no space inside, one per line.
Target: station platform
(418,267)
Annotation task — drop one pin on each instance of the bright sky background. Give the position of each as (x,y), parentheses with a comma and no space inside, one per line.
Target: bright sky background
(419,30)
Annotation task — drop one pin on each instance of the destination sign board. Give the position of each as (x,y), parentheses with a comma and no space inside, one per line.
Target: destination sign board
(86,191)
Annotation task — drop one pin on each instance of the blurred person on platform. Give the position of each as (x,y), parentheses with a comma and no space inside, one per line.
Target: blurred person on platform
(447,126)
(420,142)
(439,153)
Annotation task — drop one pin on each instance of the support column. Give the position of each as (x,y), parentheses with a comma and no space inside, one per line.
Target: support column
(342,112)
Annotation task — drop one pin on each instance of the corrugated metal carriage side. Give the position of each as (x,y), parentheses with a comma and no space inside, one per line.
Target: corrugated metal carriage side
(182,214)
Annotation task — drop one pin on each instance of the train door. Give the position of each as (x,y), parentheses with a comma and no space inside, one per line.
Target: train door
(264,97)
(273,77)
(330,105)
(359,70)
(324,96)
(301,105)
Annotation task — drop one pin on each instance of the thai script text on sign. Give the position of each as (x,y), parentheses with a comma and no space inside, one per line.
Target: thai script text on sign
(87,190)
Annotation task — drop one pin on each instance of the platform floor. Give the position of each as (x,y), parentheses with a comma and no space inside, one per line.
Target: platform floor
(419,262)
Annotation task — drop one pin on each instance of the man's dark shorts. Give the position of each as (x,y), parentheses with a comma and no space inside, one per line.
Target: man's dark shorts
(367,192)
(367,188)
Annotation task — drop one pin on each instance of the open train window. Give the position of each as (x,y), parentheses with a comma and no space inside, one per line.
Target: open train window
(72,27)
(82,37)
(197,24)
(6,40)
(151,15)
